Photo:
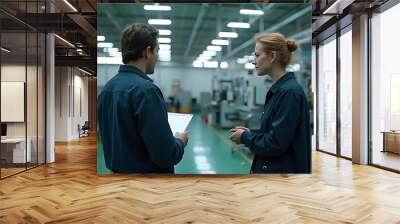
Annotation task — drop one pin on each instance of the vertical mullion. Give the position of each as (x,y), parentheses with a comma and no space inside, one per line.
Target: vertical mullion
(45,87)
(338,97)
(37,87)
(369,78)
(317,96)
(26,85)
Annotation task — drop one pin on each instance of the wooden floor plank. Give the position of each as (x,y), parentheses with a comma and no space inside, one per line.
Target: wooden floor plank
(70,191)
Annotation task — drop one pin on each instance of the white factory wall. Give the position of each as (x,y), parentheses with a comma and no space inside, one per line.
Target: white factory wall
(191,79)
(194,80)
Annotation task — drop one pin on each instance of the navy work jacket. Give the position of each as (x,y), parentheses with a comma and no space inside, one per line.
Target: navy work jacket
(133,125)
(283,142)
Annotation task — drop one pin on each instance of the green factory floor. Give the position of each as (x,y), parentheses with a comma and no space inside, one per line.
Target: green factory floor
(208,152)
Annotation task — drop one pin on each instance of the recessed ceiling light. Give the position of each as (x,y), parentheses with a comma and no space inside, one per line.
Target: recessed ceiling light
(101,38)
(159,21)
(251,12)
(211,64)
(105,44)
(238,25)
(220,42)
(209,53)
(228,34)
(164,40)
(157,7)
(164,32)
(214,48)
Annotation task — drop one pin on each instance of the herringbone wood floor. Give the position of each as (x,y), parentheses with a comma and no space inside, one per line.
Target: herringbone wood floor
(70,191)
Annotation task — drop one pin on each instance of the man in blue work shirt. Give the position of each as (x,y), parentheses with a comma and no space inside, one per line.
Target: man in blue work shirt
(132,115)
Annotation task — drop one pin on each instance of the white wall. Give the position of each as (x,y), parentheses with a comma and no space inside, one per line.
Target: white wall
(192,79)
(195,80)
(12,73)
(105,73)
(68,82)
(33,126)
(61,103)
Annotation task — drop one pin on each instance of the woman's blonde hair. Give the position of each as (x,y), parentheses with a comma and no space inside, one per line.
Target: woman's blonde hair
(277,42)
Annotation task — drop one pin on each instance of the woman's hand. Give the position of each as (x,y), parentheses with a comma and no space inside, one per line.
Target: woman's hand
(239,127)
(236,133)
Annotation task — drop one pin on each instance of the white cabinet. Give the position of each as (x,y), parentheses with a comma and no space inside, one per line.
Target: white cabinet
(17,145)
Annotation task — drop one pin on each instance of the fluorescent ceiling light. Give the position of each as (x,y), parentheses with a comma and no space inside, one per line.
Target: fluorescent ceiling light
(228,34)
(157,7)
(214,48)
(251,12)
(211,64)
(224,64)
(164,40)
(109,60)
(209,53)
(220,42)
(65,41)
(115,54)
(105,44)
(70,5)
(101,38)
(203,58)
(112,49)
(164,46)
(238,25)
(5,50)
(164,32)
(159,21)
(198,64)
(249,66)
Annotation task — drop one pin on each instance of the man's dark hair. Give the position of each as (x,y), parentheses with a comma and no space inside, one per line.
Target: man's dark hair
(136,38)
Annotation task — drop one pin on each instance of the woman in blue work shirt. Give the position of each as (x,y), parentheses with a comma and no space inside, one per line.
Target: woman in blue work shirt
(282,144)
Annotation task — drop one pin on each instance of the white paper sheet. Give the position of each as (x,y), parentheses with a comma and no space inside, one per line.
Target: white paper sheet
(179,122)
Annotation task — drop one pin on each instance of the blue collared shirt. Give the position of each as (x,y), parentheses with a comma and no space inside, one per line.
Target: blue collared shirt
(283,142)
(133,125)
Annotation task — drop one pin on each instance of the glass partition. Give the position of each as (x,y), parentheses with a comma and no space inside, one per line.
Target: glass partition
(327,95)
(22,77)
(346,93)
(385,89)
